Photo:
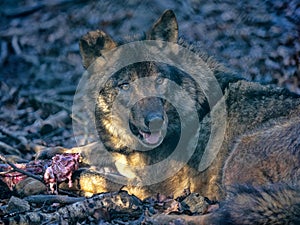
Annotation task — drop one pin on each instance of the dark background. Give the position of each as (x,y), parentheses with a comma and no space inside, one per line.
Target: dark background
(41,66)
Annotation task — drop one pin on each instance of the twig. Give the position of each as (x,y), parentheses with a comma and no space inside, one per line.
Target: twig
(19,138)
(6,172)
(16,46)
(24,11)
(53,198)
(8,149)
(161,219)
(51,123)
(27,10)
(22,140)
(69,90)
(50,102)
(3,158)
(66,192)
(4,51)
(54,121)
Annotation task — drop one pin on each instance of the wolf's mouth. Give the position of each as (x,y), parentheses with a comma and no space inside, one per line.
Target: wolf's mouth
(147,137)
(151,138)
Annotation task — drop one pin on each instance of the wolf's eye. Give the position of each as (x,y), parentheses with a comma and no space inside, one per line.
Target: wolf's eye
(124,86)
(159,80)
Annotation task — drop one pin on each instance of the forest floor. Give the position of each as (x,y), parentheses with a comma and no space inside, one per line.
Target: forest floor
(40,65)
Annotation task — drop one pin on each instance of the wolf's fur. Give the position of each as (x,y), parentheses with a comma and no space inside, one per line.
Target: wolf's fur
(257,168)
(267,204)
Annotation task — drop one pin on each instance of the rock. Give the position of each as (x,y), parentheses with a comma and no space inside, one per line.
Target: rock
(30,186)
(16,205)
(196,203)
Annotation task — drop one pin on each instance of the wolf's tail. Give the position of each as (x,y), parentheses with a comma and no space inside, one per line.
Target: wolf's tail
(273,204)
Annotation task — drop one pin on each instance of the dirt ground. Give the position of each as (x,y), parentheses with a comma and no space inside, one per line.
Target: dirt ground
(40,65)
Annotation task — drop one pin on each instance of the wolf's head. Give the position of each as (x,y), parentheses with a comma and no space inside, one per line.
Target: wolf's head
(139,89)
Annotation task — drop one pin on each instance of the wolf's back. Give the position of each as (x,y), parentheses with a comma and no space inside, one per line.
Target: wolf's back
(261,173)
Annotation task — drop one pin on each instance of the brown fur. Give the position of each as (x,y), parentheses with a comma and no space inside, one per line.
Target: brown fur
(257,168)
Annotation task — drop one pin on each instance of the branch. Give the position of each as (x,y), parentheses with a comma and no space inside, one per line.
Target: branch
(3,158)
(113,204)
(9,149)
(162,219)
(53,198)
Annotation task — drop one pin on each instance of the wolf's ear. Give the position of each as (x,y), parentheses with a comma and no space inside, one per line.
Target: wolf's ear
(165,28)
(93,44)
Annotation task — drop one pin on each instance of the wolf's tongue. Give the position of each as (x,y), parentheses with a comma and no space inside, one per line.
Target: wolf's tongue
(152,138)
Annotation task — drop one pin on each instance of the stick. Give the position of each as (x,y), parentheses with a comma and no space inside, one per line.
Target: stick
(19,138)
(22,140)
(53,198)
(4,52)
(9,150)
(50,102)
(162,219)
(3,158)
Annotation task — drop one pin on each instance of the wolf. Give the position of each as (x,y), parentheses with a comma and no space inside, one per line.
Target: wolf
(255,174)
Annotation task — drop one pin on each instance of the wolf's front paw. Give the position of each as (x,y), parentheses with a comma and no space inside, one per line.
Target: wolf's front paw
(93,182)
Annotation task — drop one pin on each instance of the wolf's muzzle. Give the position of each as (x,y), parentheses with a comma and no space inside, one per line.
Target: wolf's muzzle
(154,121)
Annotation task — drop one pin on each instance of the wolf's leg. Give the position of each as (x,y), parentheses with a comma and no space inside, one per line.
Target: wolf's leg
(98,174)
(93,182)
(88,182)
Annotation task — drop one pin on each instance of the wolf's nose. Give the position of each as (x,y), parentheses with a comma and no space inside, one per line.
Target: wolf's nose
(154,121)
